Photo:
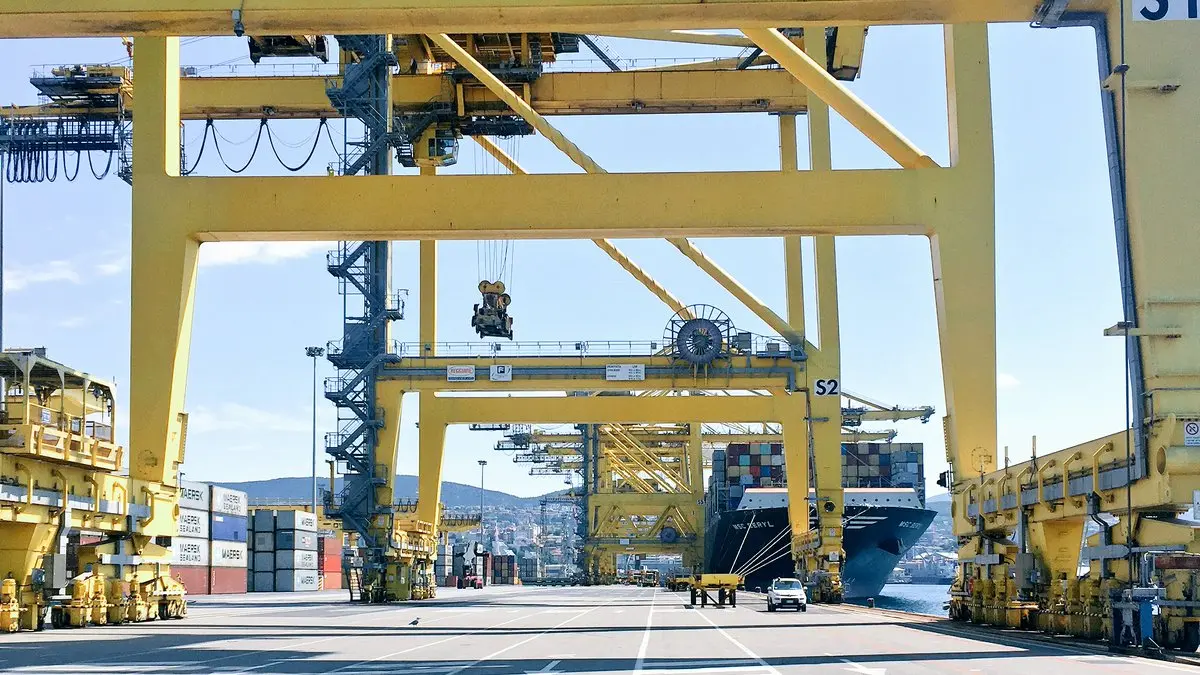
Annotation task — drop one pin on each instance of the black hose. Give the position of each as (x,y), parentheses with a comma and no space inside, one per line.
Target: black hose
(107,165)
(203,144)
(257,139)
(311,151)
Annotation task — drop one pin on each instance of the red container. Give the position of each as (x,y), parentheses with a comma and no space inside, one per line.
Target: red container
(331,562)
(224,580)
(451,581)
(331,580)
(194,579)
(756,471)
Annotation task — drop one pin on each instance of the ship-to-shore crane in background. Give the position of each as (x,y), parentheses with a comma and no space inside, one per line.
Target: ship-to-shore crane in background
(455,73)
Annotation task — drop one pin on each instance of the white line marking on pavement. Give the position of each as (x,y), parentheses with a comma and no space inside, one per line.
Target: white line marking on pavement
(437,642)
(534,637)
(278,661)
(641,657)
(745,650)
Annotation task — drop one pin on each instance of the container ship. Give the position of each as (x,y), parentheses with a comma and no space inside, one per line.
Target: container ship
(747,529)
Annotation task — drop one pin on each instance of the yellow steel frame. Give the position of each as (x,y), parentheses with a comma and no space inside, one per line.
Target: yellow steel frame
(23,18)
(952,205)
(554,93)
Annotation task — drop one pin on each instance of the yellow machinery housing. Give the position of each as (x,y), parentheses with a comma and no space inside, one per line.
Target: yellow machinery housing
(59,471)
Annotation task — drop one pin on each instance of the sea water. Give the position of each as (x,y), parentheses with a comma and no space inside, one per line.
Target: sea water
(917,598)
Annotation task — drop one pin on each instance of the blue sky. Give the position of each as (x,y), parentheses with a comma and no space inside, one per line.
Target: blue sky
(259,305)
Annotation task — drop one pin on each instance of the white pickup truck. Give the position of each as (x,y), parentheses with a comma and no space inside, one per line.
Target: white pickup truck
(787,593)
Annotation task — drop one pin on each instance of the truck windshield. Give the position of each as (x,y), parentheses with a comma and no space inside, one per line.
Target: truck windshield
(787,585)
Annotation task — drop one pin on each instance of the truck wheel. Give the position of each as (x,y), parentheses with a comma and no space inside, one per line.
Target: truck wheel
(770,606)
(803,608)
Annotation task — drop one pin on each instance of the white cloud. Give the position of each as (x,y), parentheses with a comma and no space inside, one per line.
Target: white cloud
(113,267)
(238,417)
(18,278)
(1006,381)
(219,253)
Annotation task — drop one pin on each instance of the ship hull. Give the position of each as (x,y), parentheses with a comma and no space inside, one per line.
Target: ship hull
(757,544)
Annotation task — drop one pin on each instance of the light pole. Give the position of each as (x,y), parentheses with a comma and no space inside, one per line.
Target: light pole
(314,353)
(482,463)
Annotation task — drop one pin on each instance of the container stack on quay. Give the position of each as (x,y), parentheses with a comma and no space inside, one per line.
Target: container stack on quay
(285,551)
(209,555)
(530,567)
(443,564)
(329,556)
(504,569)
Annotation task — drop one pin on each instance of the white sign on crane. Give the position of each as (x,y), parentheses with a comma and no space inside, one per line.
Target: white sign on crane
(1191,433)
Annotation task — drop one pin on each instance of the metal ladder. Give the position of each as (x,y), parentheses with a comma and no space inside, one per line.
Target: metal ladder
(354,579)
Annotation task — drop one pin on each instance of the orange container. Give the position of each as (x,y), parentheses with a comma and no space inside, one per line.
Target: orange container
(331,580)
(331,562)
(227,580)
(194,579)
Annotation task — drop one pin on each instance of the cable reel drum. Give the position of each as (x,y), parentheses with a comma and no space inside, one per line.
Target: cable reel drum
(699,335)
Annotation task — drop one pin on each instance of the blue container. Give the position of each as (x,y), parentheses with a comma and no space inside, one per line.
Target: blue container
(229,528)
(744,460)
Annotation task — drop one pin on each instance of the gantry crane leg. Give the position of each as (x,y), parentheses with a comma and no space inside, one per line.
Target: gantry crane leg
(22,546)
(964,260)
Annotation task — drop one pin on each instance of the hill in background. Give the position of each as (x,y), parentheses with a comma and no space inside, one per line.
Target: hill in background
(454,495)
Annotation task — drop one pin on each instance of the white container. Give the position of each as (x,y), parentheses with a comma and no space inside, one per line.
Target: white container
(264,582)
(194,495)
(295,560)
(190,552)
(264,541)
(264,562)
(228,554)
(286,540)
(193,524)
(296,520)
(296,580)
(230,502)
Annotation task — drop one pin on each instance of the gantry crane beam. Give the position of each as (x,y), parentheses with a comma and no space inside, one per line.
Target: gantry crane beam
(114,18)
(848,436)
(554,93)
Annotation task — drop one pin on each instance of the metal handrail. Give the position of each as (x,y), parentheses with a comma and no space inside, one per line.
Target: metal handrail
(481,349)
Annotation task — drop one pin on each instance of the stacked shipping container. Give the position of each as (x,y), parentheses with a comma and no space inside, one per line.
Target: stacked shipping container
(210,555)
(504,569)
(285,551)
(329,555)
(530,568)
(884,465)
(443,564)
(749,465)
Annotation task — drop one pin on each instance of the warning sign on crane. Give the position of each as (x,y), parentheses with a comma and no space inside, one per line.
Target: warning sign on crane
(1191,433)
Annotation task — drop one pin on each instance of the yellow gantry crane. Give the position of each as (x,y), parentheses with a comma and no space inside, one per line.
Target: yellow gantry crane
(1021,527)
(428,117)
